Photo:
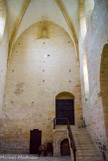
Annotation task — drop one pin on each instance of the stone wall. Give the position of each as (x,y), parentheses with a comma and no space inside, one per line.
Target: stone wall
(96,38)
(3,64)
(40,68)
(58,136)
(104,86)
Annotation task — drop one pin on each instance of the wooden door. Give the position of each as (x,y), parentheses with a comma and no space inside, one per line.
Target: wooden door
(35,141)
(65,109)
(65,150)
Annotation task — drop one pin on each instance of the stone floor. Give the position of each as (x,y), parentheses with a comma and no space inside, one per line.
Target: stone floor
(20,157)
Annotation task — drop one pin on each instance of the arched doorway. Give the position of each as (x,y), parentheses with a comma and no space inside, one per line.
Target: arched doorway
(65,108)
(104,84)
(64,148)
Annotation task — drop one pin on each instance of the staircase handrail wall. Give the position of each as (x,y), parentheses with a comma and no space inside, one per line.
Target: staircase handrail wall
(72,142)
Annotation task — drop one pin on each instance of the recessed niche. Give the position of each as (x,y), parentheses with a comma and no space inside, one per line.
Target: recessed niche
(69,70)
(13,70)
(19,43)
(12,102)
(43,42)
(86,99)
(70,81)
(43,80)
(68,41)
(43,70)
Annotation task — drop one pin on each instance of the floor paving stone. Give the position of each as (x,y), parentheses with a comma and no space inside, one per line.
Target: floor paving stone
(21,157)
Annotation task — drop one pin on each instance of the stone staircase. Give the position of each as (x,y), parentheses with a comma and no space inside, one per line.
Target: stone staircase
(86,150)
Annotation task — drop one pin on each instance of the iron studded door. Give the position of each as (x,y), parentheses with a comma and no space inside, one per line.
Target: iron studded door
(65,109)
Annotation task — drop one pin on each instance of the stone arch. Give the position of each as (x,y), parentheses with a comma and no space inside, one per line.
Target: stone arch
(2,18)
(104,84)
(65,94)
(63,137)
(58,137)
(42,26)
(89,5)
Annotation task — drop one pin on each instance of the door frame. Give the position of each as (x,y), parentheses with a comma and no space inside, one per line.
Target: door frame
(34,131)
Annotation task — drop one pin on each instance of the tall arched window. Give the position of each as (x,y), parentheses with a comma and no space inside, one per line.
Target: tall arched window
(83,28)
(2,18)
(85,73)
(65,108)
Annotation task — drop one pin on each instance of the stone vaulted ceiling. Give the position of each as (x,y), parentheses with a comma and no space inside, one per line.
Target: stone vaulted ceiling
(24,13)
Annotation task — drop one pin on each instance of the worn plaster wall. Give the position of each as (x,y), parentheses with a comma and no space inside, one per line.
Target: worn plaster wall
(43,64)
(96,38)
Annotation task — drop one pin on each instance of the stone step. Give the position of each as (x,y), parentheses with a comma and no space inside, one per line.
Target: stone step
(86,151)
(83,141)
(85,148)
(87,155)
(81,137)
(89,159)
